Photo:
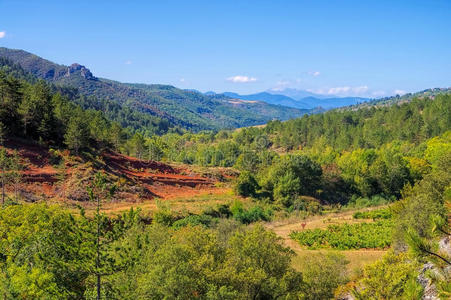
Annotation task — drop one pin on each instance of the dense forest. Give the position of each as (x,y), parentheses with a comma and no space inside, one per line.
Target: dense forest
(397,156)
(337,156)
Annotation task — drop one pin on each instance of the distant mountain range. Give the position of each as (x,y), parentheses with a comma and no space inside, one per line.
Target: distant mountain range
(297,99)
(298,94)
(184,108)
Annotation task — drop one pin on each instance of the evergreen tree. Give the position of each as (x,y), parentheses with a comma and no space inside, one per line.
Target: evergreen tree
(138,144)
(4,166)
(77,134)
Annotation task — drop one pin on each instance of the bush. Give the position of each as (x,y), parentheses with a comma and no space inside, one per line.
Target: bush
(307,204)
(322,273)
(55,157)
(163,216)
(222,211)
(253,214)
(393,277)
(246,185)
(362,202)
(194,220)
(292,176)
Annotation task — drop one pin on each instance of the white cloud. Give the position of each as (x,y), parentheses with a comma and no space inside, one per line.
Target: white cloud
(360,89)
(2,34)
(241,79)
(399,92)
(281,85)
(339,90)
(128,62)
(348,90)
(277,89)
(314,73)
(182,79)
(342,91)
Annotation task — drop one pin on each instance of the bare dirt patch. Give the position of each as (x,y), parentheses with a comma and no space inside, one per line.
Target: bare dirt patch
(140,181)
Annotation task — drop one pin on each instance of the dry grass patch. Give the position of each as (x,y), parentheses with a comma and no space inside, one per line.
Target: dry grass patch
(357,258)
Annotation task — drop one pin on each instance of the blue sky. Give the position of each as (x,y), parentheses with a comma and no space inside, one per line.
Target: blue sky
(363,48)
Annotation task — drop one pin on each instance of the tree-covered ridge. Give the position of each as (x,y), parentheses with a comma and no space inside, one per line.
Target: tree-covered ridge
(428,93)
(333,131)
(187,109)
(34,111)
(128,117)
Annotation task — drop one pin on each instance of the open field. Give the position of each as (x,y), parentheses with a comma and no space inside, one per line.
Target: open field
(194,201)
(356,258)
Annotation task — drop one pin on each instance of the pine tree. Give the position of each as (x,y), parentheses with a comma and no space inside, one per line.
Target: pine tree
(116,136)
(77,134)
(15,173)
(98,191)
(4,166)
(138,145)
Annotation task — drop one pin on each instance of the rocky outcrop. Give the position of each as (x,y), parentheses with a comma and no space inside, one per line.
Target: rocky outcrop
(445,245)
(424,279)
(429,288)
(79,69)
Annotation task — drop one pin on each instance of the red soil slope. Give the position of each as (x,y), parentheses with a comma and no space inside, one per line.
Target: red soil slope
(154,179)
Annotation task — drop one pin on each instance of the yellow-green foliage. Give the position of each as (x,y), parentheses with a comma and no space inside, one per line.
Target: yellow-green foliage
(389,278)
(437,148)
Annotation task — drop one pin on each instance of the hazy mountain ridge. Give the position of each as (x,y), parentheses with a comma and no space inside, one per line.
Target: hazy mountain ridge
(308,102)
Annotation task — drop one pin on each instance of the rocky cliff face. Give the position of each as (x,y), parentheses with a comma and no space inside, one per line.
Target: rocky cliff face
(75,68)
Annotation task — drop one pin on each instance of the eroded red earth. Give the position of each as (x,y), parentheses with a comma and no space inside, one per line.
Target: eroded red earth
(154,179)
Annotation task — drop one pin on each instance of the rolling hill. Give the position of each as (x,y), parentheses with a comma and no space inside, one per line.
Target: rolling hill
(183,108)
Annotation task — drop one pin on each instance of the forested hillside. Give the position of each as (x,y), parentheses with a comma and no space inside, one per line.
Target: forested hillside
(425,94)
(186,109)
(334,156)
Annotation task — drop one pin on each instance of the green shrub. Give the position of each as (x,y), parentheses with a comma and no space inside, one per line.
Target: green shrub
(163,216)
(221,211)
(393,277)
(246,185)
(306,204)
(253,214)
(362,202)
(194,220)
